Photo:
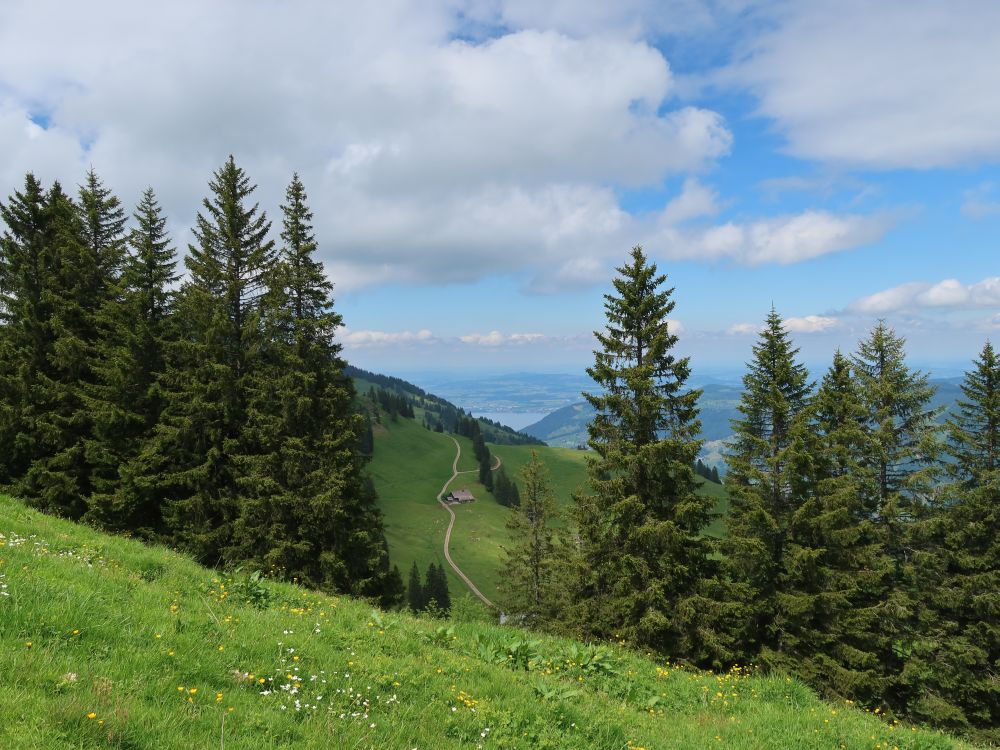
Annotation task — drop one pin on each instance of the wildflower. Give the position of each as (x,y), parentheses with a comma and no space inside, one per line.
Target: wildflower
(91,715)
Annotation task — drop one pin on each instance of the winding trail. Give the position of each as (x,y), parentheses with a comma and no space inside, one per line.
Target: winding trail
(451,524)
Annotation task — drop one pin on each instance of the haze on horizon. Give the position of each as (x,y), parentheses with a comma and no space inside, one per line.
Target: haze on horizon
(478,168)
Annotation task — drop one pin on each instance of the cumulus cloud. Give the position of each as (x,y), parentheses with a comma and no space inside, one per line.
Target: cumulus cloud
(365,339)
(811,324)
(898,83)
(781,240)
(950,293)
(743,329)
(419,145)
(495,338)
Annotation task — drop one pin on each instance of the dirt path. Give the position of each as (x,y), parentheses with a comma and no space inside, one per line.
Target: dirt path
(451,524)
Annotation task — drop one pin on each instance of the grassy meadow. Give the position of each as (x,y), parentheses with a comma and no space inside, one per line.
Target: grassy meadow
(107,643)
(412,463)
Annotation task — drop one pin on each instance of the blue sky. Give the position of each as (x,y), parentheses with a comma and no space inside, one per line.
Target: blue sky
(479,167)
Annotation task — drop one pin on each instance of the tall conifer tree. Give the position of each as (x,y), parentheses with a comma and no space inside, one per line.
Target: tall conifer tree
(644,558)
(902,495)
(950,672)
(834,574)
(767,463)
(307,509)
(533,584)
(80,280)
(129,396)
(190,462)
(26,338)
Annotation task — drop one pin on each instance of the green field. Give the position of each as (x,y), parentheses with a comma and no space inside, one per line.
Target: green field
(409,468)
(107,643)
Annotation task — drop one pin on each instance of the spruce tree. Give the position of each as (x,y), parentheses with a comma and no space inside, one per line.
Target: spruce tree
(902,496)
(644,558)
(834,574)
(436,594)
(951,664)
(533,585)
(416,597)
(190,462)
(307,508)
(767,463)
(128,397)
(901,429)
(26,337)
(79,280)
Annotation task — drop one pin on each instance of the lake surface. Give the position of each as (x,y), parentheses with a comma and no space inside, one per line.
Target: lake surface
(516,420)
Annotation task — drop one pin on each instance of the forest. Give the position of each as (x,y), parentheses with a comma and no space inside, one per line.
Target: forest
(213,415)
(861,552)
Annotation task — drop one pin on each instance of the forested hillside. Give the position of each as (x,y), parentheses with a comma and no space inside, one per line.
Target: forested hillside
(214,415)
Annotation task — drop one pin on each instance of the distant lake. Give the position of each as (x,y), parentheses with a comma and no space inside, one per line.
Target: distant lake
(516,420)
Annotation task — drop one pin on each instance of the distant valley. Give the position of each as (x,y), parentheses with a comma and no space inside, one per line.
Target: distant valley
(567,427)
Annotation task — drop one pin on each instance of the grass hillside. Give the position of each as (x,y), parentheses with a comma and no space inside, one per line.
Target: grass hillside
(411,464)
(106,643)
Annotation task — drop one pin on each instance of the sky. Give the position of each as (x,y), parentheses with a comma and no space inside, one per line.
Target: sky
(479,168)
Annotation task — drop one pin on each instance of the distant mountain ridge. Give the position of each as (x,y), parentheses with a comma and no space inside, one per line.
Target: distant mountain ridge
(567,427)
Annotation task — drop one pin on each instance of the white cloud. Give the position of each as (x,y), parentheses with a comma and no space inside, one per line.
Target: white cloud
(743,329)
(419,149)
(811,324)
(496,338)
(363,339)
(897,83)
(781,240)
(950,293)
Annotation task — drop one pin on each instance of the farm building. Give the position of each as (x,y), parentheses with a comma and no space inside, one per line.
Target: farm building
(457,497)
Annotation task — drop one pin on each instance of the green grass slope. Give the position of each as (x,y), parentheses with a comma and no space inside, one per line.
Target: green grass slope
(106,643)
(411,464)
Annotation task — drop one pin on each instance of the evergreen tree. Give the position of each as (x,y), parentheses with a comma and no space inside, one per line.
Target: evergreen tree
(486,472)
(26,336)
(190,461)
(901,429)
(533,585)
(767,460)
(950,672)
(644,558)
(306,507)
(834,575)
(416,597)
(79,281)
(715,475)
(902,495)
(128,398)
(436,594)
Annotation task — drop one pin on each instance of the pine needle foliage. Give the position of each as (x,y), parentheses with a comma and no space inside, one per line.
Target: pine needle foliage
(128,398)
(644,558)
(768,462)
(533,586)
(834,574)
(950,672)
(306,509)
